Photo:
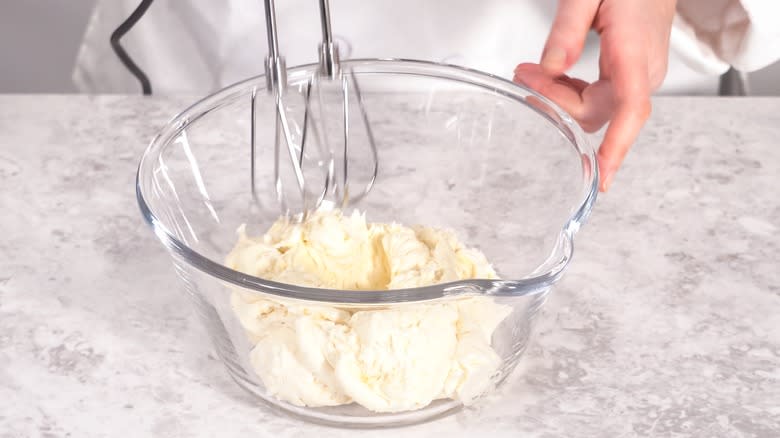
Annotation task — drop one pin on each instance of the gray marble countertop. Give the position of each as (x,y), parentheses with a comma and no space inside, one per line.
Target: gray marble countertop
(666,324)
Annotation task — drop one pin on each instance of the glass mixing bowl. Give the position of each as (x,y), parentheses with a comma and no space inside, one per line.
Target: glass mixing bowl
(500,165)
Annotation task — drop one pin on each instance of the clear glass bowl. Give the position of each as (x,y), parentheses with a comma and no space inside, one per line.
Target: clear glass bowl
(500,165)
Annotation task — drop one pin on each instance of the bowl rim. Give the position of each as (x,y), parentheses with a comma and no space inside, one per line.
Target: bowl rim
(538,281)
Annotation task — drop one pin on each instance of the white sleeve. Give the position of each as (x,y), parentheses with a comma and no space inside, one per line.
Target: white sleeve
(711,35)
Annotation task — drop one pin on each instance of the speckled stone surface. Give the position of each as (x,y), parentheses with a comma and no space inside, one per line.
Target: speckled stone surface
(666,324)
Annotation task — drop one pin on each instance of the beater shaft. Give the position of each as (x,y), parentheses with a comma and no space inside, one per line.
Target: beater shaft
(329,71)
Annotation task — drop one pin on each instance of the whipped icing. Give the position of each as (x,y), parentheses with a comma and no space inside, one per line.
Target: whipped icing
(336,251)
(387,359)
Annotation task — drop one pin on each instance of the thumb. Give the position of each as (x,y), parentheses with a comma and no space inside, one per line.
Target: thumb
(573,20)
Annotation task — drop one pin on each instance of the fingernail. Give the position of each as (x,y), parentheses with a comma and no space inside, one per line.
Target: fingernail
(518,79)
(607,181)
(554,58)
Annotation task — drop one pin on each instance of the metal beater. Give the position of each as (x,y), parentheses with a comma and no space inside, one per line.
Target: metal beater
(336,185)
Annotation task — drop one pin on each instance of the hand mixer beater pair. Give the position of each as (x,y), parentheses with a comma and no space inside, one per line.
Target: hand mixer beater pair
(333,162)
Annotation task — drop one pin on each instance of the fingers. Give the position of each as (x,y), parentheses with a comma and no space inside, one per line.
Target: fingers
(564,93)
(590,104)
(573,20)
(623,99)
(629,69)
(631,87)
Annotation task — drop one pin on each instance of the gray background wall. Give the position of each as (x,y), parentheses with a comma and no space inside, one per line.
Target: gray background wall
(39,40)
(38,44)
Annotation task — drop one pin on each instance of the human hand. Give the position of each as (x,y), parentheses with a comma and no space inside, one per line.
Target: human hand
(632,64)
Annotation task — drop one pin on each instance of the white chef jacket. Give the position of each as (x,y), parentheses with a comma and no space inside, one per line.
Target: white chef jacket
(199,46)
